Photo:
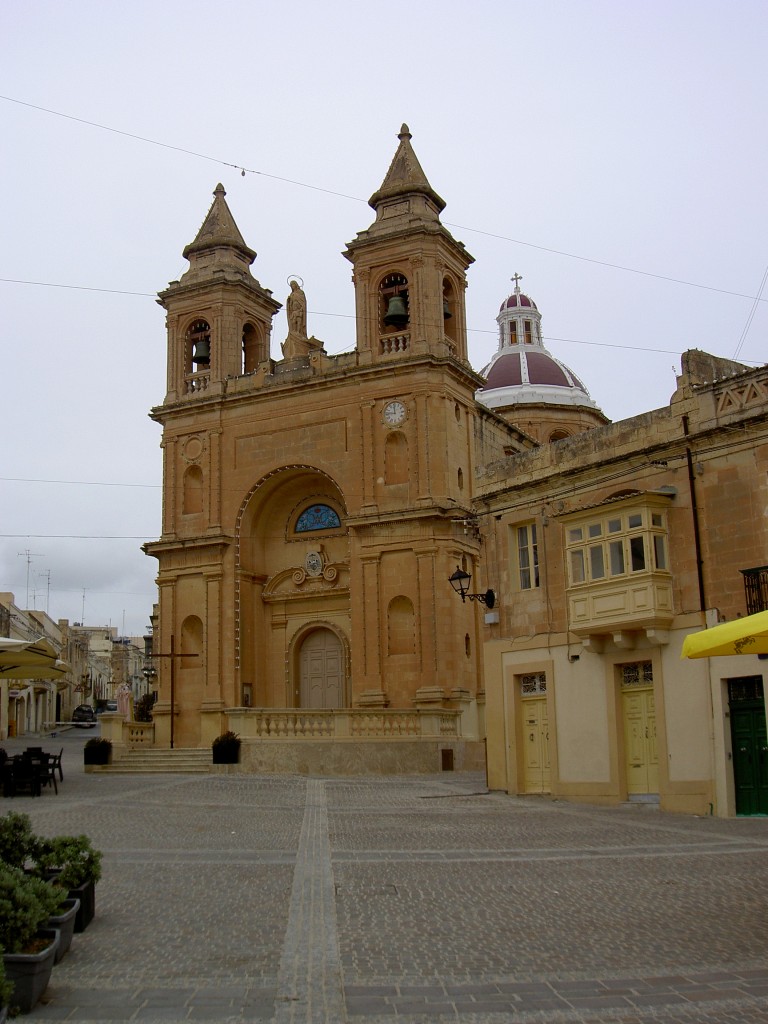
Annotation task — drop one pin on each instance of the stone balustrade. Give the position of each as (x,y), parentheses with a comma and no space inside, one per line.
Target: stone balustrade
(346,723)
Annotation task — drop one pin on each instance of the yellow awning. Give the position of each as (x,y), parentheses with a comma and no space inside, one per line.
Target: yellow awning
(748,635)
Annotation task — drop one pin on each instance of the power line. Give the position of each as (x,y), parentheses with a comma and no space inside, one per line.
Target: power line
(77,287)
(751,315)
(73,536)
(352,316)
(343,195)
(79,483)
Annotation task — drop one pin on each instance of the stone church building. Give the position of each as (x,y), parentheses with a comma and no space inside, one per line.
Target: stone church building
(316,506)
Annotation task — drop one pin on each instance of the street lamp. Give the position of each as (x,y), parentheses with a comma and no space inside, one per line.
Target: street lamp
(460,581)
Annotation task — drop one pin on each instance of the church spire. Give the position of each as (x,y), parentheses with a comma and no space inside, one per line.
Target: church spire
(405,177)
(219,242)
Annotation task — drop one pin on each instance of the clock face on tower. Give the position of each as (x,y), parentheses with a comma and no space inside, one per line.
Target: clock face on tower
(394,413)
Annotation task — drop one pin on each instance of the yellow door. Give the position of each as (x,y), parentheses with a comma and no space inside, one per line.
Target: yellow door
(536,774)
(640,741)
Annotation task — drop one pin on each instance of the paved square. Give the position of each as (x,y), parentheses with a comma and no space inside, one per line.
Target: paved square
(410,899)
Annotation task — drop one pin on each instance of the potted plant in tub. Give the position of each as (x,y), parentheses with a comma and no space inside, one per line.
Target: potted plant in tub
(17,840)
(97,750)
(29,948)
(6,992)
(226,748)
(72,864)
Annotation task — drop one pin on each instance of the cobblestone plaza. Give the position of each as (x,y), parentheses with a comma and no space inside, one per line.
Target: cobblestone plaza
(420,898)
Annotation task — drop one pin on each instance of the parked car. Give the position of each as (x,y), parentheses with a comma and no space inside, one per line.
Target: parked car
(111,706)
(84,717)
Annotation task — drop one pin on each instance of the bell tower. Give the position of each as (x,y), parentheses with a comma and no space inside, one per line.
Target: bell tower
(409,272)
(219,316)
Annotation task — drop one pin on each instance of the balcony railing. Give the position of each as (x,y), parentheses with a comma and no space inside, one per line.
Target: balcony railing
(756,588)
(196,382)
(394,344)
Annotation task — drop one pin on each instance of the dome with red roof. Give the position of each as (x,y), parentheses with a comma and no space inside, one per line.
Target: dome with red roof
(523,372)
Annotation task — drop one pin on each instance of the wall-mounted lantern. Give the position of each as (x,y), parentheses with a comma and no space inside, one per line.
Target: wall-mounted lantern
(460,582)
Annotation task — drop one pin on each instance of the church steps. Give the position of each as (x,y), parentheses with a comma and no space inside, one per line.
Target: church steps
(160,761)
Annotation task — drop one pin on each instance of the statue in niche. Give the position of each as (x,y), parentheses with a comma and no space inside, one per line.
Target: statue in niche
(297,343)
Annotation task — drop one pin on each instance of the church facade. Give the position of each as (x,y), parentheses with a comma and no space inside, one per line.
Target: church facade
(315,507)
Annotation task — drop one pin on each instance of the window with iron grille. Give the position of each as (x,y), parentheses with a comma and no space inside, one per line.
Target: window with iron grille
(756,589)
(533,683)
(745,688)
(637,673)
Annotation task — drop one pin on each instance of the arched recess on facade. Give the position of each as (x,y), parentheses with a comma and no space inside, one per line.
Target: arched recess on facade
(319,667)
(190,681)
(396,458)
(401,626)
(192,491)
(292,573)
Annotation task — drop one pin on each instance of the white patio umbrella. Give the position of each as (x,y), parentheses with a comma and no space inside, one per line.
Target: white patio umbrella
(30,659)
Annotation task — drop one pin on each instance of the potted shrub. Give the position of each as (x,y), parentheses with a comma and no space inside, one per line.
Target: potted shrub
(17,840)
(97,750)
(71,863)
(29,948)
(226,748)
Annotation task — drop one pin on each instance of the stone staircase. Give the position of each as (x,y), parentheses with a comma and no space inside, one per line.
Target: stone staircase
(152,759)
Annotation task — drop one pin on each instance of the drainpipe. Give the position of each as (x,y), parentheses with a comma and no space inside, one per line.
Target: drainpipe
(695,512)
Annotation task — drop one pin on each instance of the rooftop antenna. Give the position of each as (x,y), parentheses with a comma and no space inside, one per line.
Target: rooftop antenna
(47,575)
(29,555)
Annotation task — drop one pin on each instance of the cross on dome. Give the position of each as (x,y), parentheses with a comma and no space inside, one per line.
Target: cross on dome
(517,278)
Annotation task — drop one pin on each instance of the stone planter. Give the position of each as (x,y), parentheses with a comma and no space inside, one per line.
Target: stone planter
(100,752)
(64,923)
(29,973)
(86,894)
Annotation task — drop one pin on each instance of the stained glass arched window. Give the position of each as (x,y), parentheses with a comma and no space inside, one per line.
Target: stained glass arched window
(317,517)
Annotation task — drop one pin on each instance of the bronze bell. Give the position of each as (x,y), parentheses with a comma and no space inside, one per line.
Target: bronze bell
(447,314)
(397,314)
(202,353)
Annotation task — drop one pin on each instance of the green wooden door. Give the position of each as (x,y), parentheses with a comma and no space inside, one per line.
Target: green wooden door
(750,751)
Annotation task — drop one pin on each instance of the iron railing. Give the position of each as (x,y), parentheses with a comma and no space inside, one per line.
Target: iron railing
(756,588)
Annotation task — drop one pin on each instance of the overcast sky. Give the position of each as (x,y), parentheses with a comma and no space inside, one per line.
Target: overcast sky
(569,139)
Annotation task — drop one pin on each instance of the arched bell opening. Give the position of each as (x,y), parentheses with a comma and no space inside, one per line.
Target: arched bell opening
(253,348)
(394,314)
(197,347)
(450,318)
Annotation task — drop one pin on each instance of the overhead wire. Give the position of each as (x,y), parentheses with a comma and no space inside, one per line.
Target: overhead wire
(358,199)
(751,315)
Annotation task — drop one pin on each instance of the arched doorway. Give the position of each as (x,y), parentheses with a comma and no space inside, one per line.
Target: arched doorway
(321,671)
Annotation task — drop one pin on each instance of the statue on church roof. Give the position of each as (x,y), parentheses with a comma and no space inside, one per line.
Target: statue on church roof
(298,343)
